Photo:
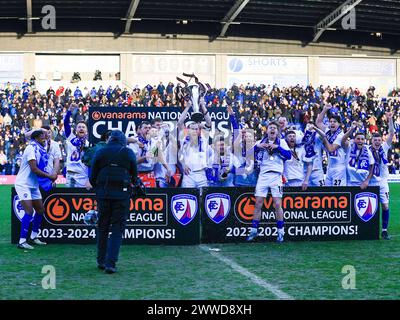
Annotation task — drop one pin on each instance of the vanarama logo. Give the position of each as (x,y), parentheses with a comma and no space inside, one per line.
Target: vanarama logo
(245,203)
(58,209)
(107,115)
(152,202)
(70,209)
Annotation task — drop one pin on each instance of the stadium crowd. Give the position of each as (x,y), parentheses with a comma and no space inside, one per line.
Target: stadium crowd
(23,108)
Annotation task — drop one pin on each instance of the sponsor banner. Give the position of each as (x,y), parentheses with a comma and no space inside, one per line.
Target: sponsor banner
(394,178)
(358,73)
(8,179)
(153,69)
(69,63)
(268,70)
(11,68)
(166,216)
(357,67)
(319,214)
(128,118)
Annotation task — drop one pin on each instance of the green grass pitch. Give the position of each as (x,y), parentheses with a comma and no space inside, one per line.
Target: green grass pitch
(301,270)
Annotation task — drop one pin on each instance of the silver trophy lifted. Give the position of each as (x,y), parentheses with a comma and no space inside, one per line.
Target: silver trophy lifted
(193,90)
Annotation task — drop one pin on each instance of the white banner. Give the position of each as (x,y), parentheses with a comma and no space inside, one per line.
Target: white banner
(358,73)
(268,70)
(11,68)
(153,69)
(77,63)
(394,178)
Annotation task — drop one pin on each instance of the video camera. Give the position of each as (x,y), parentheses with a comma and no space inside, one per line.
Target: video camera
(138,188)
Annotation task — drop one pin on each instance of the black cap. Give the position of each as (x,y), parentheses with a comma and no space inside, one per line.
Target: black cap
(117,136)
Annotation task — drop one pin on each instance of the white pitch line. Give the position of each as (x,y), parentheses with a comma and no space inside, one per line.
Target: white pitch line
(254,278)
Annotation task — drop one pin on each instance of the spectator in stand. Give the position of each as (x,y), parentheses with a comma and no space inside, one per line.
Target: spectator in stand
(3,160)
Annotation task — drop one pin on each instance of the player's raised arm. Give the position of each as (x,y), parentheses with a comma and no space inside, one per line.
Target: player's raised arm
(205,113)
(347,135)
(330,147)
(389,117)
(320,118)
(67,123)
(29,133)
(182,118)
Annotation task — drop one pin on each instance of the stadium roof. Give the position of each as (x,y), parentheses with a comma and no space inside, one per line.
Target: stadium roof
(377,21)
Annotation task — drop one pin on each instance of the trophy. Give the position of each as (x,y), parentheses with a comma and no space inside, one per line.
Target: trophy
(193,90)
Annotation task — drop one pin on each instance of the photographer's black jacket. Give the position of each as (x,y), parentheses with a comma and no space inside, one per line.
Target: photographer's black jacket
(113,170)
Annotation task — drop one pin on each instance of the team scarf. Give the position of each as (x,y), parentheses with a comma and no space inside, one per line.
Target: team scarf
(308,142)
(42,160)
(331,136)
(260,152)
(362,160)
(213,174)
(145,143)
(79,143)
(379,155)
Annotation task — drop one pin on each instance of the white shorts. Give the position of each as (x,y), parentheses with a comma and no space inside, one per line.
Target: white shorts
(269,180)
(75,180)
(317,179)
(25,193)
(383,191)
(336,177)
(195,179)
(294,183)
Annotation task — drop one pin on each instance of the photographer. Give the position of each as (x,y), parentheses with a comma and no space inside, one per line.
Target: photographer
(113,172)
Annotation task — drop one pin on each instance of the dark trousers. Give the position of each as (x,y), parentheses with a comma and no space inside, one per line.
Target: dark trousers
(112,218)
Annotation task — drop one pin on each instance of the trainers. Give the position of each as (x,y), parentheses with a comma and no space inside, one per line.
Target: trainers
(253,234)
(101,266)
(37,242)
(385,235)
(111,270)
(25,246)
(280,236)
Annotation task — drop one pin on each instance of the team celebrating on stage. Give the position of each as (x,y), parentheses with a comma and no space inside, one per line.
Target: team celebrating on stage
(192,157)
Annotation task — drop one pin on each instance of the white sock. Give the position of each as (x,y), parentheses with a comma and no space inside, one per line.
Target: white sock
(22,240)
(33,235)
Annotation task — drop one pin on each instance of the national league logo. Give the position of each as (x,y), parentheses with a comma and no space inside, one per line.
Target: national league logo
(366,205)
(217,206)
(184,208)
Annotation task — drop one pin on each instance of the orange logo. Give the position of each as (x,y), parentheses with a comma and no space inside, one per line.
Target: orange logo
(58,209)
(96,115)
(245,207)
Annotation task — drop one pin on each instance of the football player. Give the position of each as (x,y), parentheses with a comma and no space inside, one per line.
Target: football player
(294,167)
(194,148)
(379,151)
(77,173)
(27,187)
(359,159)
(313,146)
(332,139)
(274,152)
